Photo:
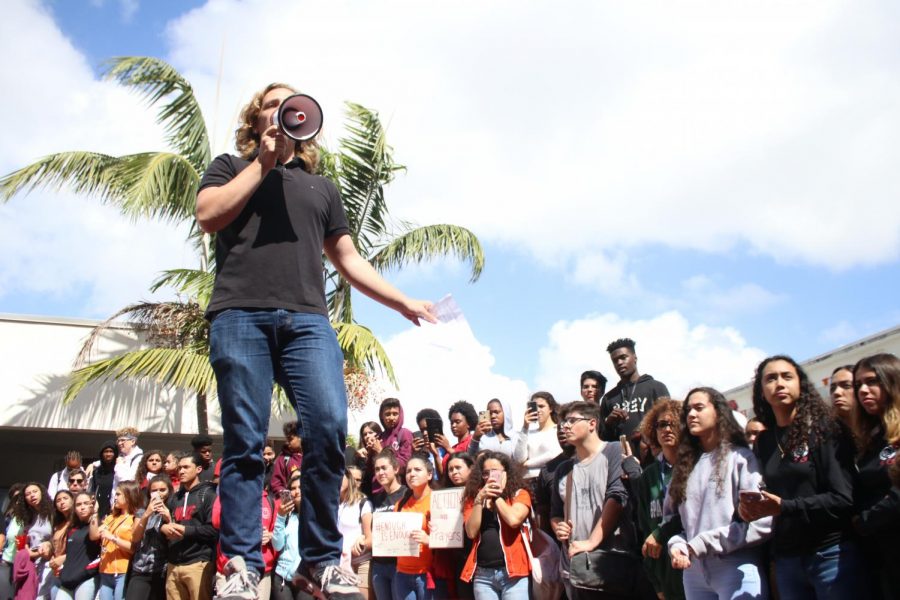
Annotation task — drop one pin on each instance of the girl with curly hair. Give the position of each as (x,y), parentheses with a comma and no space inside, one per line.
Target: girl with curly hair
(720,554)
(661,428)
(33,512)
(806,465)
(495,508)
(877,383)
(151,466)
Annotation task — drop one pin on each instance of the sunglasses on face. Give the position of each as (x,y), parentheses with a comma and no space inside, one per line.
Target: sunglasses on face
(79,480)
(660,425)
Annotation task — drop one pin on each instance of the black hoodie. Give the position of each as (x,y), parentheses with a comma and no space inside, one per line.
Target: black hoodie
(193,509)
(102,479)
(635,399)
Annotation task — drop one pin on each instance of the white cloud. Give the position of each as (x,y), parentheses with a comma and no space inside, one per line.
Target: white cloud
(707,297)
(52,242)
(436,365)
(697,125)
(680,354)
(607,273)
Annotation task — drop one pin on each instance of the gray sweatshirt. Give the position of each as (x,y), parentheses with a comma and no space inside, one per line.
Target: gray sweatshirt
(710,520)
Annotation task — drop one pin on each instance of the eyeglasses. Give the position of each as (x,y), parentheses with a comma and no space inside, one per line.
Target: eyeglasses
(570,421)
(660,425)
(73,480)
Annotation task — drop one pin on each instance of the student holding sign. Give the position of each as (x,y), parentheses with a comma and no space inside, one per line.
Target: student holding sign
(411,579)
(495,509)
(387,472)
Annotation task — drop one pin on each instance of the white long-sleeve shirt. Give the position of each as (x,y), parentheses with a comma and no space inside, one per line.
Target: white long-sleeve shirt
(543,446)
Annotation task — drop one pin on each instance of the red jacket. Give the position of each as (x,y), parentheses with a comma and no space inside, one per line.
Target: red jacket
(511,541)
(269,513)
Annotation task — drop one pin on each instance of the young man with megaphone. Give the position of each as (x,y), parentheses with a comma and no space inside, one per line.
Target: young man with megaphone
(273,218)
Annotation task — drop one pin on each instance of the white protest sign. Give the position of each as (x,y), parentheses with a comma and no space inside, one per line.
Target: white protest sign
(392,533)
(446,519)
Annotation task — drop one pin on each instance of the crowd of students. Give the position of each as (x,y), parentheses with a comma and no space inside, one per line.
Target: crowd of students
(625,494)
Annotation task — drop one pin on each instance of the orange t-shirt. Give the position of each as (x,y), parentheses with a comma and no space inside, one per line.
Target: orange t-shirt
(416,565)
(113,559)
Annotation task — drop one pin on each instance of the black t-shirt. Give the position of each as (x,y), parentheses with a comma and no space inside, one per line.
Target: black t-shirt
(490,552)
(815,483)
(270,256)
(80,552)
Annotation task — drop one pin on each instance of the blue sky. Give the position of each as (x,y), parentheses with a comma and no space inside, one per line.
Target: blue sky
(728,169)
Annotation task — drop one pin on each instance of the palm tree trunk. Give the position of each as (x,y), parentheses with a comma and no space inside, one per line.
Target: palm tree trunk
(202,417)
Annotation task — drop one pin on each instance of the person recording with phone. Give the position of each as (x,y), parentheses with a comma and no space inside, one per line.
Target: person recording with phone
(430,438)
(147,578)
(542,443)
(274,218)
(495,432)
(286,541)
(494,511)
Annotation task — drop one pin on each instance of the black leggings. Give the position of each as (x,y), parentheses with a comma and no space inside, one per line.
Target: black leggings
(285,590)
(146,586)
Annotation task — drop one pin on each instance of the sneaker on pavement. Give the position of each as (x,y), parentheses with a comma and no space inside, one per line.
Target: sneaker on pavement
(332,582)
(240,583)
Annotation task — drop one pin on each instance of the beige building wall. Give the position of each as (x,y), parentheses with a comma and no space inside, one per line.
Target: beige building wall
(36,429)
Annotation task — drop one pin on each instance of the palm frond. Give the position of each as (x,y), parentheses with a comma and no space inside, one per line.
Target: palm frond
(83,172)
(430,242)
(194,283)
(366,165)
(182,368)
(154,79)
(339,299)
(158,184)
(362,350)
(175,325)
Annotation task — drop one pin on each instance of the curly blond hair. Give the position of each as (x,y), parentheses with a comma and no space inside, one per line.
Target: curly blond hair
(246,140)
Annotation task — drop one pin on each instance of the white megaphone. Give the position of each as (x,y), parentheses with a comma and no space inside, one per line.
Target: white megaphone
(299,116)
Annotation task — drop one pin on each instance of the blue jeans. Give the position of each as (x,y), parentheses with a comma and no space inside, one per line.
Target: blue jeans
(488,584)
(725,577)
(410,587)
(249,349)
(832,573)
(112,587)
(383,579)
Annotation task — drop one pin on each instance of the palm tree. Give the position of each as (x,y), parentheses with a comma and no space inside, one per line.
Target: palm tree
(163,185)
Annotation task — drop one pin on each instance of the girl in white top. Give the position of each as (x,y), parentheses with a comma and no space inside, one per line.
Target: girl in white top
(719,552)
(542,443)
(355,524)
